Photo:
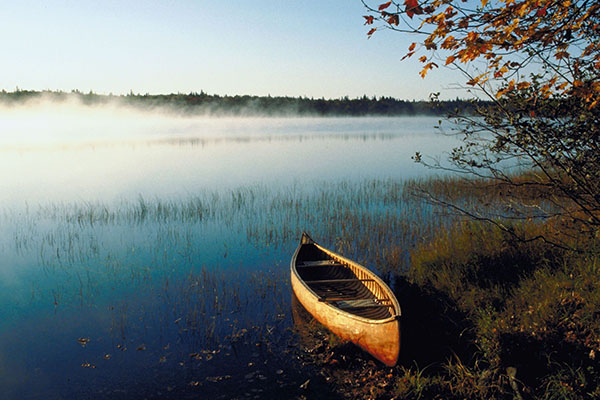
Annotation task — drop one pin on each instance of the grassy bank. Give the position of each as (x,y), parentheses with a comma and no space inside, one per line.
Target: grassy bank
(503,318)
(486,316)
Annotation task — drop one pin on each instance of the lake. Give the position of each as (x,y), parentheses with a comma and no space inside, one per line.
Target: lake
(146,255)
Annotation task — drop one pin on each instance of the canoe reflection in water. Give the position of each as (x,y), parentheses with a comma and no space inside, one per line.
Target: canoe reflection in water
(348,299)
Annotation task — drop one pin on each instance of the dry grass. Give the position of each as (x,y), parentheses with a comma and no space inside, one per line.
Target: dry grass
(528,308)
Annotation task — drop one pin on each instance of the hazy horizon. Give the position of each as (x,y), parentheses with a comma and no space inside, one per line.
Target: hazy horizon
(314,49)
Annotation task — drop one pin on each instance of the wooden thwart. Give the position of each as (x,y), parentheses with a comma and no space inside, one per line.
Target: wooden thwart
(370,306)
(319,263)
(340,280)
(325,299)
(353,302)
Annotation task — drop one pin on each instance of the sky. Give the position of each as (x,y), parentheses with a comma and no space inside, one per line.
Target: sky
(312,48)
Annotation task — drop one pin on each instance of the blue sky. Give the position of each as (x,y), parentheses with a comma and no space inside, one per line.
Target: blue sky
(311,48)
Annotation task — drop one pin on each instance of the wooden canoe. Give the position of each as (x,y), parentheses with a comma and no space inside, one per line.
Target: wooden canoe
(348,299)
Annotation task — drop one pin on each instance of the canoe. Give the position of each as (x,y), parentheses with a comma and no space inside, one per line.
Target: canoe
(348,299)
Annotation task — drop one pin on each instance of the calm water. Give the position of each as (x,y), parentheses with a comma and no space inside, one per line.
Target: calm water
(146,255)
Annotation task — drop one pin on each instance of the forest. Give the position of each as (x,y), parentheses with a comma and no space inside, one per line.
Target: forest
(247,105)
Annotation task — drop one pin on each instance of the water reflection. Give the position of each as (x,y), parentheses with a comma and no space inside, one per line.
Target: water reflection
(204,328)
(187,156)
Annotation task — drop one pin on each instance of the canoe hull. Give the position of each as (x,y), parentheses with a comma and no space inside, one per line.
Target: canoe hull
(380,338)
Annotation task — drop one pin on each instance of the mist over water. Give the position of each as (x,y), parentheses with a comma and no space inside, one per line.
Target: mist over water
(73,152)
(146,253)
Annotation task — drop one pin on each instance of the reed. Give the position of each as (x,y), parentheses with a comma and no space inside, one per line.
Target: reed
(369,220)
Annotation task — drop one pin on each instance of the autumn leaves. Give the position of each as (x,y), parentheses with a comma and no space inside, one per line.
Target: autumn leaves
(558,37)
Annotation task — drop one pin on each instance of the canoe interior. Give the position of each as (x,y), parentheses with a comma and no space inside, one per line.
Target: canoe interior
(341,285)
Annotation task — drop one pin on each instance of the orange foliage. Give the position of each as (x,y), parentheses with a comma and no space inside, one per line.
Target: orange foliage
(564,35)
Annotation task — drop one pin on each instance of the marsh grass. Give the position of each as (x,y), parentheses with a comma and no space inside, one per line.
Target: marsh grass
(375,221)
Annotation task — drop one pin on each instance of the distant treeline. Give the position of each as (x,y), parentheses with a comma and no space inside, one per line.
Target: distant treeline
(196,103)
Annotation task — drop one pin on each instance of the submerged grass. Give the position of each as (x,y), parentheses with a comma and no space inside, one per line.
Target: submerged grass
(375,221)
